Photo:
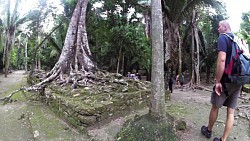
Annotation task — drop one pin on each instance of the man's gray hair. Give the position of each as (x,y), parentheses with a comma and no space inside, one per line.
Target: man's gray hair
(226,24)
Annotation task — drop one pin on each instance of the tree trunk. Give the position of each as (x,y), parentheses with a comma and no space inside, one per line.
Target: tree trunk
(192,81)
(75,55)
(7,49)
(197,55)
(34,56)
(147,24)
(179,54)
(119,60)
(171,38)
(19,54)
(123,63)
(26,53)
(157,100)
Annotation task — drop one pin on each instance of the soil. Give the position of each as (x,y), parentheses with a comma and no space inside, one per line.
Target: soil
(25,120)
(194,107)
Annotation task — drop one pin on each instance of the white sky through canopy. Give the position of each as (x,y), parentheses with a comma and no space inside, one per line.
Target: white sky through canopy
(235,8)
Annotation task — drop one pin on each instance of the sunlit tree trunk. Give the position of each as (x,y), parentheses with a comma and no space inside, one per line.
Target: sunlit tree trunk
(147,24)
(197,55)
(10,36)
(192,81)
(26,53)
(75,55)
(195,79)
(157,99)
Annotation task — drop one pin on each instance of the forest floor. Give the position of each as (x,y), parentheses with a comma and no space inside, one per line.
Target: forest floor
(26,120)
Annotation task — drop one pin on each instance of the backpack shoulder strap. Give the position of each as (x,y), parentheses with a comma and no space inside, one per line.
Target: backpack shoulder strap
(228,36)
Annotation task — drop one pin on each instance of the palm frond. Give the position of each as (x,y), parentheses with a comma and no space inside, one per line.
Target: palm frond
(178,9)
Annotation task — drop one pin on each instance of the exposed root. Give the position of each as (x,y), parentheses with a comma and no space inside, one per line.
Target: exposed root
(7,99)
(43,83)
(100,81)
(194,87)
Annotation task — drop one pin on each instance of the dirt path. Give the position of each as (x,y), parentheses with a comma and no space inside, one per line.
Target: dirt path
(29,121)
(194,107)
(7,82)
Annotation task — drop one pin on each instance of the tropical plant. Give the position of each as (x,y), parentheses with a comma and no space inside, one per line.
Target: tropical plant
(245,27)
(118,38)
(11,22)
(177,13)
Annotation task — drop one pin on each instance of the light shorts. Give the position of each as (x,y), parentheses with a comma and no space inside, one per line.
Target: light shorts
(224,100)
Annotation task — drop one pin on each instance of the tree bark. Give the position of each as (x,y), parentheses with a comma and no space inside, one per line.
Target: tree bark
(26,52)
(197,55)
(7,49)
(75,56)
(119,60)
(157,100)
(179,54)
(192,81)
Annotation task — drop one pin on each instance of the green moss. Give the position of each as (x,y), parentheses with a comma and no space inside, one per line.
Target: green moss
(181,125)
(177,110)
(146,129)
(73,121)
(19,95)
(48,125)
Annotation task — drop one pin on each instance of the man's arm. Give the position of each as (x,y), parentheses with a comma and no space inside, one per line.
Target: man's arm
(221,60)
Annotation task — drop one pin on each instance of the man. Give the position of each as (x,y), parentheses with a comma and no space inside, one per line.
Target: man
(170,84)
(225,93)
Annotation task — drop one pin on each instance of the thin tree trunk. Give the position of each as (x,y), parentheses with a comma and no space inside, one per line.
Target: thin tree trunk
(119,60)
(180,57)
(192,81)
(123,63)
(197,55)
(39,64)
(26,53)
(157,99)
(147,24)
(19,54)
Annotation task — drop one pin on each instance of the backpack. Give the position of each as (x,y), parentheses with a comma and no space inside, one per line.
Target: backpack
(238,69)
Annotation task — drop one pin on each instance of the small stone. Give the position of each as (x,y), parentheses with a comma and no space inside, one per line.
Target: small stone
(36,134)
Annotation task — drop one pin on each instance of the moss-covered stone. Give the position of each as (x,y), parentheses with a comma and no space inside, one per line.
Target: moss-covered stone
(88,105)
(181,125)
(86,110)
(146,129)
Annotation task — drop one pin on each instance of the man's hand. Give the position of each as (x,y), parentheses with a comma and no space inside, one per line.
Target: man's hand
(218,88)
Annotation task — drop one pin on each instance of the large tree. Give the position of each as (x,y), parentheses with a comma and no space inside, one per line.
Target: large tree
(157,101)
(10,33)
(75,57)
(10,24)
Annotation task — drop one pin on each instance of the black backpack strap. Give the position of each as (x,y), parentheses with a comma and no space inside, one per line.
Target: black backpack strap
(225,78)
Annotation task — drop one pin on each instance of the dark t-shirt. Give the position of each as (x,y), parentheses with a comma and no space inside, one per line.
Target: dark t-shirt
(224,44)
